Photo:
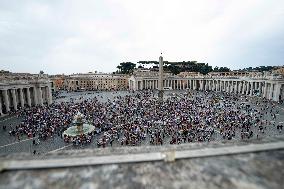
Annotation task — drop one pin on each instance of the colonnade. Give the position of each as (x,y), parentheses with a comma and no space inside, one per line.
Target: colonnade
(13,98)
(264,88)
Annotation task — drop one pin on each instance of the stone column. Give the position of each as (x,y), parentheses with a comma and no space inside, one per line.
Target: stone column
(247,90)
(201,85)
(22,98)
(29,97)
(251,88)
(228,86)
(35,96)
(216,85)
(135,85)
(130,84)
(14,99)
(260,88)
(208,85)
(6,100)
(177,84)
(243,87)
(188,84)
(49,94)
(1,110)
(236,87)
(40,100)
(264,93)
(270,91)
(276,92)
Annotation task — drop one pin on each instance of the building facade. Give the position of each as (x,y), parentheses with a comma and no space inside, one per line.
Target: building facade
(259,84)
(57,82)
(18,91)
(96,81)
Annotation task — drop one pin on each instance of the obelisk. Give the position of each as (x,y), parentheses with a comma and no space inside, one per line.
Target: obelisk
(160,82)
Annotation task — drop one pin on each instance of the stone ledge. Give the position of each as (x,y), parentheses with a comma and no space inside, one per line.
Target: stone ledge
(138,157)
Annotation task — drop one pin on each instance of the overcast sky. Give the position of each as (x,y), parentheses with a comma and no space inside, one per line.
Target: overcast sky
(72,36)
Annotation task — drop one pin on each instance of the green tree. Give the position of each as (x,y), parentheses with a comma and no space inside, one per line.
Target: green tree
(224,69)
(126,67)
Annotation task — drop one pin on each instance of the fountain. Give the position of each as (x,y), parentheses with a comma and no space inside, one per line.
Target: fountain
(79,127)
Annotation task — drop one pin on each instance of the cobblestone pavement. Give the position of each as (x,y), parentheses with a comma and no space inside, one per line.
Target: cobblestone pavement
(9,144)
(262,170)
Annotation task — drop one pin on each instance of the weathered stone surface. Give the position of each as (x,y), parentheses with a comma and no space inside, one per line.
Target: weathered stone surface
(253,170)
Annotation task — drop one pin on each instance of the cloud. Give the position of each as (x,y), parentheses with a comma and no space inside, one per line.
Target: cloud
(69,36)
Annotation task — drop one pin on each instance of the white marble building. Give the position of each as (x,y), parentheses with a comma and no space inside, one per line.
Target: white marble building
(268,86)
(20,91)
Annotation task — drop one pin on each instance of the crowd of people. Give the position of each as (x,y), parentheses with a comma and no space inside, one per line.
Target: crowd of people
(139,118)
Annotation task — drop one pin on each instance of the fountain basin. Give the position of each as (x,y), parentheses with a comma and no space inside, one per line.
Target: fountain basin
(73,131)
